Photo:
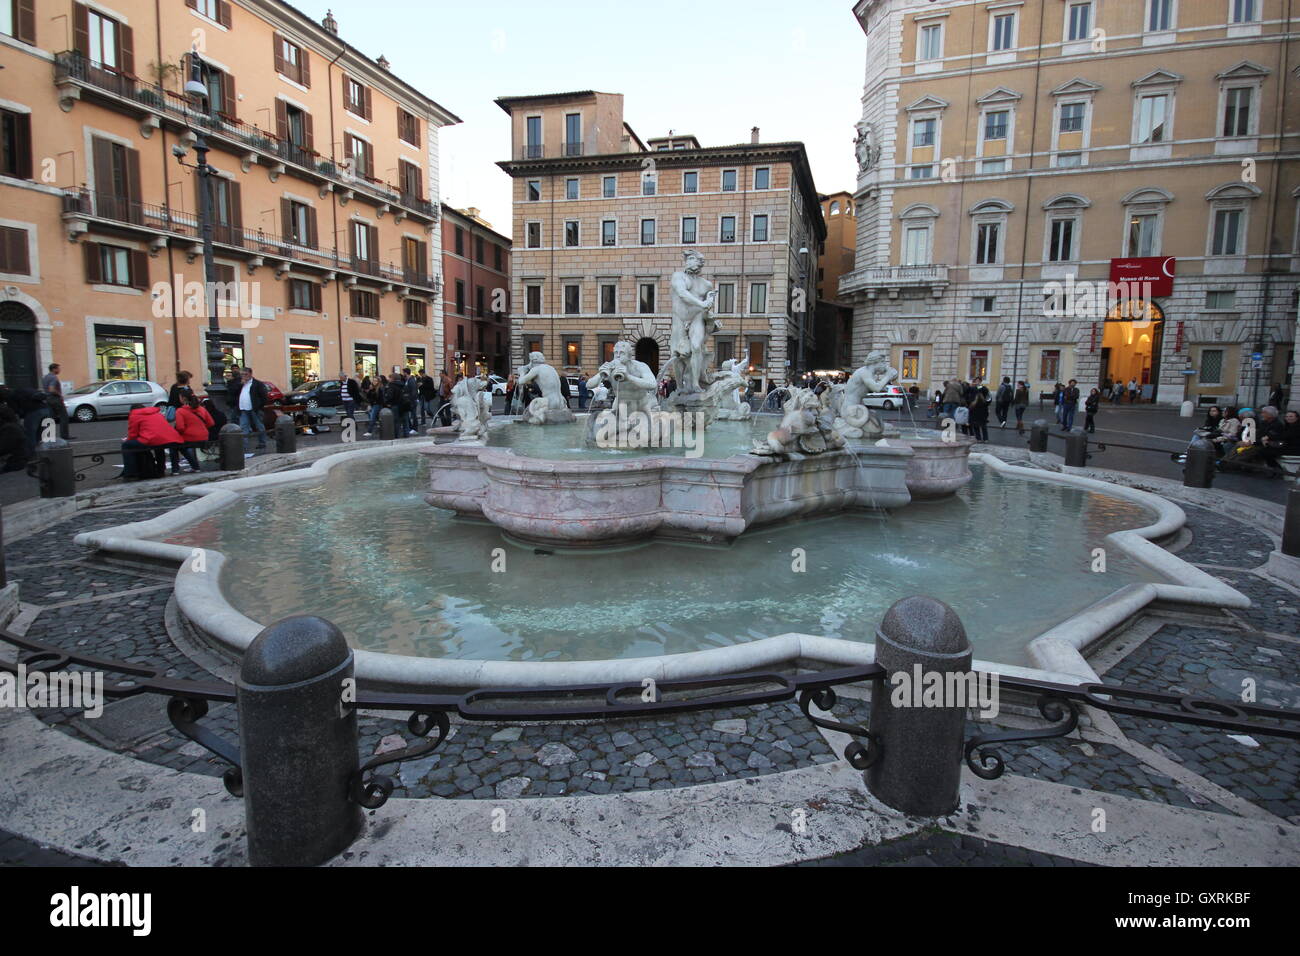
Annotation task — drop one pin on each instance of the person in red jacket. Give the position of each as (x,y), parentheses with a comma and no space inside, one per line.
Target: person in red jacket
(193,423)
(147,431)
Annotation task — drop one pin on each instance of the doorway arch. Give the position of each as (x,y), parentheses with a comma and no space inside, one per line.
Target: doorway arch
(18,328)
(646,350)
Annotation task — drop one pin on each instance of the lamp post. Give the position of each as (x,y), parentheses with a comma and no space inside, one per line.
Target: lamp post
(197,87)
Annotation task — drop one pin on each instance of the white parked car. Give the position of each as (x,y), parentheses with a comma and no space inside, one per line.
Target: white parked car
(108,399)
(891,398)
(498,384)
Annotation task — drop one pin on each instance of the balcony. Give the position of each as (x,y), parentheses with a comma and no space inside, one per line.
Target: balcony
(532,151)
(573,149)
(892,279)
(76,76)
(85,211)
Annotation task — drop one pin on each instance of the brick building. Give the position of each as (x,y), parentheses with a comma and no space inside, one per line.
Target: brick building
(476,304)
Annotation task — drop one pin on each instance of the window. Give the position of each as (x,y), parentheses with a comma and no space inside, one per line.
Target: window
(15,144)
(916,246)
(365,305)
(690,182)
(1153,118)
(571,233)
(1049,365)
(533,137)
(1236,111)
(1211,371)
(14,256)
(480,307)
(648,184)
(572,299)
(647,232)
(725,303)
(1160,15)
(533,300)
(995,124)
(688,229)
(989,167)
(114,265)
(646,299)
(925,171)
(763,178)
(1243,11)
(979,363)
(1004,32)
(910,366)
(304,294)
(923,131)
(728,180)
(725,350)
(533,235)
(356,97)
(727,229)
(571,189)
(757,353)
(408,127)
(609,187)
(1072,117)
(986,242)
(608,232)
(931,42)
(478,250)
(361,155)
(760,228)
(573,134)
(292,61)
(1226,240)
(459,241)
(1080,21)
(1069,160)
(757,298)
(460,296)
(412,180)
(573,352)
(1143,233)
(298,223)
(608,299)
(983,303)
(104,35)
(415,312)
(1221,299)
(498,257)
(1060,243)
(533,190)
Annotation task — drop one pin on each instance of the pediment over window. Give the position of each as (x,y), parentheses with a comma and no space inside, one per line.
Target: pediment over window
(1148,194)
(1068,201)
(1075,87)
(1158,78)
(991,205)
(919,210)
(928,102)
(1245,70)
(1234,190)
(999,95)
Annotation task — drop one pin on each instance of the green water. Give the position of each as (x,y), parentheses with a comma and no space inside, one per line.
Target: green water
(364,550)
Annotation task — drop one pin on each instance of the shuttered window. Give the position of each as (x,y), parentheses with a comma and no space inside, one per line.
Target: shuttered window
(114,265)
(15,144)
(14,257)
(356,97)
(408,127)
(102,40)
(117,181)
(291,60)
(21,23)
(218,10)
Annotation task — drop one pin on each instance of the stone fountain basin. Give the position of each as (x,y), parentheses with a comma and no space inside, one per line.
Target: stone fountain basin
(584,504)
(937,468)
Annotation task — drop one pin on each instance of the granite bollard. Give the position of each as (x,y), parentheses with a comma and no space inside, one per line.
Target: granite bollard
(919,769)
(298,743)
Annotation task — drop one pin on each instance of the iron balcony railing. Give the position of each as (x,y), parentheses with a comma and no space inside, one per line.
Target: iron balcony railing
(157,219)
(532,151)
(72,67)
(573,149)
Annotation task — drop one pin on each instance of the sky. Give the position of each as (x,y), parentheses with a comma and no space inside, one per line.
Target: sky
(712,68)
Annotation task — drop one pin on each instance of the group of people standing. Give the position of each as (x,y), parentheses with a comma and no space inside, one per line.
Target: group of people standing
(414,397)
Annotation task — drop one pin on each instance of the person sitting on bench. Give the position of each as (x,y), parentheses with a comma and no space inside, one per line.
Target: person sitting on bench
(148,433)
(194,425)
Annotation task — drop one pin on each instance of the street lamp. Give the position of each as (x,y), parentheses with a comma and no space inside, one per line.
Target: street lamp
(197,88)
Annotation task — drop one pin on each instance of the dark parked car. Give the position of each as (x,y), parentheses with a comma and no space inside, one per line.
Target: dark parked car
(316,395)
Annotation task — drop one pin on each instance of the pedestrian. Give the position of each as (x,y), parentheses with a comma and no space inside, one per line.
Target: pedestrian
(511,385)
(350,393)
(583,394)
(961,415)
(1057,389)
(53,389)
(375,399)
(13,443)
(445,386)
(1277,397)
(979,415)
(411,399)
(217,415)
(1020,401)
(252,399)
(194,425)
(428,399)
(1090,407)
(1003,404)
(1069,405)
(148,434)
(952,397)
(1132,391)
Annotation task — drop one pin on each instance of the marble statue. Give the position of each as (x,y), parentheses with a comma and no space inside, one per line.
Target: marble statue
(551,408)
(804,429)
(726,393)
(632,387)
(472,404)
(692,301)
(853,419)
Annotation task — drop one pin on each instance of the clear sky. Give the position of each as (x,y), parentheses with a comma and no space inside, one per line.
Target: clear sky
(713,68)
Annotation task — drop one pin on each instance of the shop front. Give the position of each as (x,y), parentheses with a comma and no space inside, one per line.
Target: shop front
(120,352)
(304,361)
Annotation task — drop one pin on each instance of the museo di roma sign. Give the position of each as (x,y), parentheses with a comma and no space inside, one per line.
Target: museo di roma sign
(1156,273)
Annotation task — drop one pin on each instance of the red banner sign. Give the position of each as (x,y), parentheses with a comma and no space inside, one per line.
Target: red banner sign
(1157,271)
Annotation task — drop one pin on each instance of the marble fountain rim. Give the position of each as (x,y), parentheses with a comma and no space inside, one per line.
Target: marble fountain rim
(1057,654)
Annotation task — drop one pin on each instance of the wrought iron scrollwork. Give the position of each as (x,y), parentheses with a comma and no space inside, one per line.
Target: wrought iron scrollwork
(859,755)
(372,790)
(988,763)
(185,714)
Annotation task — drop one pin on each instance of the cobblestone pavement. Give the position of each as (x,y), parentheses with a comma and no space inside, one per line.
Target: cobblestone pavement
(117,611)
